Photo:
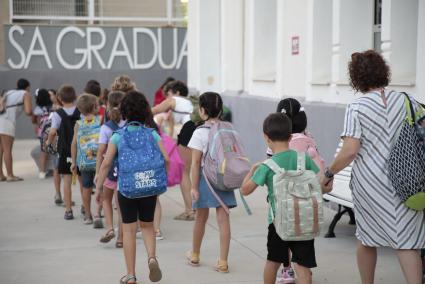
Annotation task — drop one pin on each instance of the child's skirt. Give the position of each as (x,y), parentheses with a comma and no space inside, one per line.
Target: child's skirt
(207,199)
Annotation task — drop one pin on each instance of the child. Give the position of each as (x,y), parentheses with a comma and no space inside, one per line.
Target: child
(41,114)
(141,179)
(210,109)
(63,121)
(110,185)
(277,129)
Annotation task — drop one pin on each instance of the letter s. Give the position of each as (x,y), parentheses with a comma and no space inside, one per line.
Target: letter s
(18,48)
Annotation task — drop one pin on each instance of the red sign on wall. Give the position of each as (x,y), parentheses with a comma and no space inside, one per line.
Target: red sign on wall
(295,43)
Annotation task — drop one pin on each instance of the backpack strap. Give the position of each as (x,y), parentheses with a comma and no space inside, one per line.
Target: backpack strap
(112,125)
(301,161)
(273,166)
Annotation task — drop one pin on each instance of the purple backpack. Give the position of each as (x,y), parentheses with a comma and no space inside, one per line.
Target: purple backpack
(225,163)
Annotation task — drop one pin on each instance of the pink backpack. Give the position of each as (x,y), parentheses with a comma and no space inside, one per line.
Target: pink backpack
(305,143)
(176,167)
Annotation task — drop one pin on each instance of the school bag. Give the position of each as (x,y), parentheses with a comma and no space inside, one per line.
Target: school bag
(42,121)
(406,162)
(141,166)
(52,149)
(176,165)
(113,172)
(66,131)
(298,201)
(88,143)
(301,142)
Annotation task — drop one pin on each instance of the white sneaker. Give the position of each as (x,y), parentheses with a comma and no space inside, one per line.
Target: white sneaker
(159,235)
(88,221)
(42,175)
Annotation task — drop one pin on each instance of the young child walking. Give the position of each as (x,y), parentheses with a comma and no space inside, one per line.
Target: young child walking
(84,148)
(277,129)
(63,121)
(105,197)
(210,109)
(141,178)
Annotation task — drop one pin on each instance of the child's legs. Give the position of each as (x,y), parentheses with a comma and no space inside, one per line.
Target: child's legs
(67,193)
(366,262)
(43,161)
(149,238)
(120,228)
(7,145)
(87,202)
(199,228)
(270,271)
(223,222)
(108,195)
(411,264)
(87,178)
(146,211)
(158,215)
(57,181)
(186,155)
(303,274)
(1,159)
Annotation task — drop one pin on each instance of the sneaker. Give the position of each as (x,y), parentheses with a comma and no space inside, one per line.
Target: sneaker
(87,221)
(68,215)
(159,235)
(287,276)
(58,199)
(82,210)
(97,224)
(42,175)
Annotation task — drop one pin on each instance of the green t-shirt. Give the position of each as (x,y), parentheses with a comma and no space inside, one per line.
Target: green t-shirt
(286,160)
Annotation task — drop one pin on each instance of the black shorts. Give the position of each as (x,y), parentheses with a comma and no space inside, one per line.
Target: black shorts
(302,251)
(186,133)
(142,209)
(64,165)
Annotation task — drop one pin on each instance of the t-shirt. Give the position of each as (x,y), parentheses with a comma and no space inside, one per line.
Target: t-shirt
(286,160)
(159,97)
(116,137)
(56,119)
(199,140)
(106,132)
(182,110)
(14,97)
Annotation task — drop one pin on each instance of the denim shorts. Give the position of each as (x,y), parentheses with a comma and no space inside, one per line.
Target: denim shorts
(88,179)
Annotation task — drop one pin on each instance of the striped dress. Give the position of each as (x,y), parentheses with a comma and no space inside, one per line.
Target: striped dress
(382,219)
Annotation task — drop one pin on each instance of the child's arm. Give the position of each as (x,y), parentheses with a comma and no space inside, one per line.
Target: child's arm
(196,166)
(166,105)
(164,154)
(100,151)
(74,150)
(248,186)
(52,134)
(104,169)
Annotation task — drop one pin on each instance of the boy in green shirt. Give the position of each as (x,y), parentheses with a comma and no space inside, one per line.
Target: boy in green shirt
(277,133)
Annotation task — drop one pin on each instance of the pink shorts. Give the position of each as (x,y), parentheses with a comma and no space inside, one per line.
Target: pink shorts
(110,184)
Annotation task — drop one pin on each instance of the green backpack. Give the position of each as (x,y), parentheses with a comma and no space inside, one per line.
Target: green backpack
(298,202)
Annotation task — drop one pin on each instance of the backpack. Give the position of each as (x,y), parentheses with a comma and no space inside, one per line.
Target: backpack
(141,166)
(406,162)
(113,172)
(176,165)
(42,121)
(225,163)
(66,131)
(298,201)
(305,143)
(88,143)
(52,149)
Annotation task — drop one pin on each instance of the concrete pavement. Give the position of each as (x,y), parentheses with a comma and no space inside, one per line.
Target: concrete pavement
(38,246)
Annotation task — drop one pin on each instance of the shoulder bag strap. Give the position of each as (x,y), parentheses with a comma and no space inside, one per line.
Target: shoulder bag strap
(301,161)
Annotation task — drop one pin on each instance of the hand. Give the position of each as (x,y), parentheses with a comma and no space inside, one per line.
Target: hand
(326,184)
(99,196)
(195,194)
(48,143)
(95,178)
(73,168)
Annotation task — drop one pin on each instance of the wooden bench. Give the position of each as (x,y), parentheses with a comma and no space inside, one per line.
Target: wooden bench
(341,195)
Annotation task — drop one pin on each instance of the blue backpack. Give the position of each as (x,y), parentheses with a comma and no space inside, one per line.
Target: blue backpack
(141,170)
(88,143)
(113,172)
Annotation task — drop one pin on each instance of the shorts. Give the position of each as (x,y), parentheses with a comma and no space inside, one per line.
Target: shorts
(64,165)
(302,251)
(7,127)
(87,178)
(186,133)
(55,161)
(142,209)
(110,184)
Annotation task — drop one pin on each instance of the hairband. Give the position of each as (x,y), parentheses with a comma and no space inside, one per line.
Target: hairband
(301,109)
(283,111)
(36,93)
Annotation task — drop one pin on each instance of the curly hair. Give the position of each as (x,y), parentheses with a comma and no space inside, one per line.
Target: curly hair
(135,107)
(124,84)
(368,70)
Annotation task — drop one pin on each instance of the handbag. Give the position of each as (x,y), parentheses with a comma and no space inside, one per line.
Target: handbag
(406,163)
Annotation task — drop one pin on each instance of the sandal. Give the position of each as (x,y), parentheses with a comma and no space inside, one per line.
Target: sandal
(185,216)
(193,258)
(13,179)
(155,273)
(110,234)
(221,266)
(3,179)
(119,244)
(127,278)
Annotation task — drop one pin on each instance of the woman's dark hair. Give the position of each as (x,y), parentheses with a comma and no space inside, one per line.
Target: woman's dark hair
(43,98)
(93,87)
(277,127)
(168,80)
(179,86)
(22,84)
(212,103)
(292,108)
(368,70)
(135,107)
(53,91)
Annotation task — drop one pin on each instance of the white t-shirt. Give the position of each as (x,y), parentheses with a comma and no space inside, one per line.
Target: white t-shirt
(14,97)
(199,140)
(56,119)
(182,110)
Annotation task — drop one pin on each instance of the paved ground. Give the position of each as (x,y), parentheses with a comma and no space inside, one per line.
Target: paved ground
(38,246)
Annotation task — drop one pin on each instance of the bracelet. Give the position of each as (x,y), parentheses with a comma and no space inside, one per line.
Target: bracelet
(328,173)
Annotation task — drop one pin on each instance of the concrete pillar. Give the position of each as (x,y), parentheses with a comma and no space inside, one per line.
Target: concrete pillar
(4,16)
